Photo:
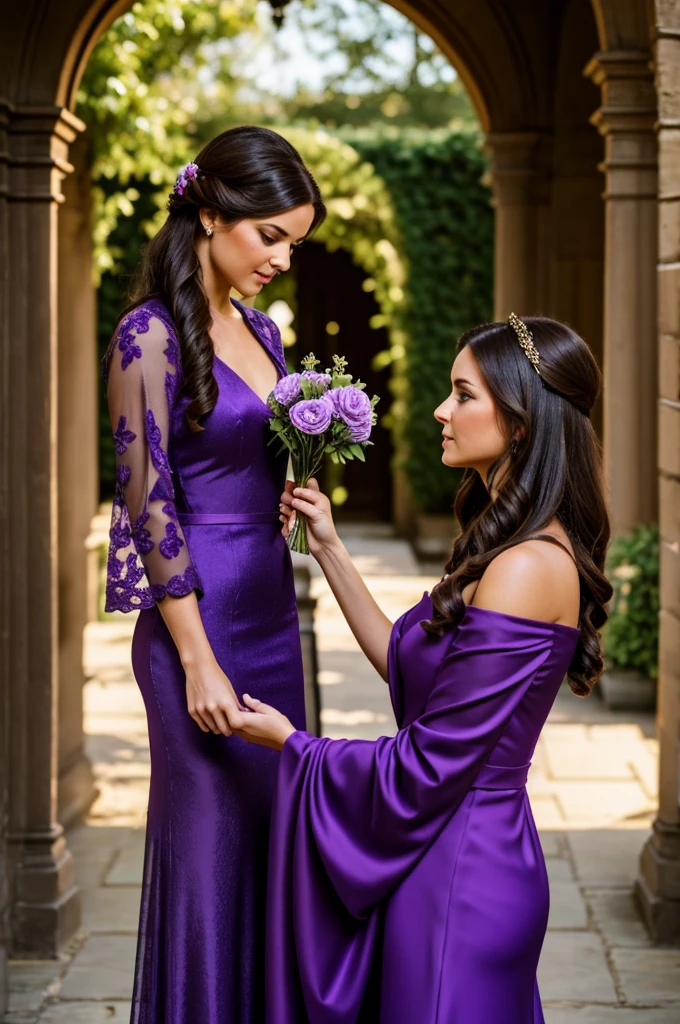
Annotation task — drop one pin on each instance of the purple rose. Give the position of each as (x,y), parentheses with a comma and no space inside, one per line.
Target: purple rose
(287,389)
(321,380)
(332,398)
(312,416)
(353,406)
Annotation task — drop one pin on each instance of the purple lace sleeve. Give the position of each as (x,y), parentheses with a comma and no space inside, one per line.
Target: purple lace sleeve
(148,557)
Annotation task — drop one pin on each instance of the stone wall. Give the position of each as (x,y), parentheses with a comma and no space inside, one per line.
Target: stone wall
(659,883)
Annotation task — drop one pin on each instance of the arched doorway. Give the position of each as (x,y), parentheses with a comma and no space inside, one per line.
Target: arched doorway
(349,299)
(347,309)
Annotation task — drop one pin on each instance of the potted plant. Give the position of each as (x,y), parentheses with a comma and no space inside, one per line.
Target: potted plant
(631,635)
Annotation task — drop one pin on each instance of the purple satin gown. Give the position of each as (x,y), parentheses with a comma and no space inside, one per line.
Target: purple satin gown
(199,511)
(406,882)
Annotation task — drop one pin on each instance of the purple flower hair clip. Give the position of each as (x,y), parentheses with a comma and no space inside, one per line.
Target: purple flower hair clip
(187,174)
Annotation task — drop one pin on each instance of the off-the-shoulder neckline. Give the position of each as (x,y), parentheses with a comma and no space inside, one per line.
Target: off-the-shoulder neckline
(543,623)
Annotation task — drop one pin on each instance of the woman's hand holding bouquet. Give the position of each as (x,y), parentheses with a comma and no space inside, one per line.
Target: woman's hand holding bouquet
(320,414)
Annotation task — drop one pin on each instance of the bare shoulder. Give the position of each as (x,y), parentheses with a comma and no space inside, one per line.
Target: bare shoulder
(534,580)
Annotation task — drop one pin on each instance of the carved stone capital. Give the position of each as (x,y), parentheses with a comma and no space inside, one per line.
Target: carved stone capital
(628,120)
(520,166)
(36,150)
(626,78)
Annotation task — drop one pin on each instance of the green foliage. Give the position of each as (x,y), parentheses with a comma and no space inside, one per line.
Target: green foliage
(410,209)
(114,285)
(150,82)
(631,636)
(382,68)
(444,217)
(170,74)
(414,212)
(361,220)
(417,106)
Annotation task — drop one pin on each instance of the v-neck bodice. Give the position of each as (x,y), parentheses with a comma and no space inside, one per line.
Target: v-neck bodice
(221,365)
(230,466)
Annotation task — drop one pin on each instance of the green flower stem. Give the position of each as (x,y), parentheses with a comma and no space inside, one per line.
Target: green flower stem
(306,463)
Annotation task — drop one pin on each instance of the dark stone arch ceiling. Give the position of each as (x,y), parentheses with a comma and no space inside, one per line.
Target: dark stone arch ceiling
(625,24)
(505,50)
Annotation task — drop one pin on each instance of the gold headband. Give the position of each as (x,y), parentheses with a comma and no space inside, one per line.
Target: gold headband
(526,340)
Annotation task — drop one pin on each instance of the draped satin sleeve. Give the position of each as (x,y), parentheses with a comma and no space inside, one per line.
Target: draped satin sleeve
(148,557)
(353,817)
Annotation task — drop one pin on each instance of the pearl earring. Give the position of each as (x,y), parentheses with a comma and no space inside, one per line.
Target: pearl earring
(209,232)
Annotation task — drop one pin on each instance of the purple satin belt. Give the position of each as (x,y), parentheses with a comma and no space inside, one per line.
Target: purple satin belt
(495,776)
(219,518)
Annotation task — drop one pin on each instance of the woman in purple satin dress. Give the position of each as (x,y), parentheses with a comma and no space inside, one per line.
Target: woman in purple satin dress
(196,548)
(407,883)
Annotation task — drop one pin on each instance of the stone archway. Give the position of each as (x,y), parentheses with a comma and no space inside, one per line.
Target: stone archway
(507,58)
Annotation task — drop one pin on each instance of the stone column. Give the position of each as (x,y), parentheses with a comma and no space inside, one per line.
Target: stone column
(5,596)
(627,120)
(78,472)
(45,902)
(520,166)
(658,886)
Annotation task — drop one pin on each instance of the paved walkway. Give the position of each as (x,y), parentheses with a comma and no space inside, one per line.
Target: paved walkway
(592,787)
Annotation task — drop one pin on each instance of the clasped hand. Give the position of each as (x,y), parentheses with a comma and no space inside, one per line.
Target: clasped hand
(211,698)
(261,723)
(214,707)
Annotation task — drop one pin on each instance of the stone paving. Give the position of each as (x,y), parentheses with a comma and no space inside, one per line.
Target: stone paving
(592,788)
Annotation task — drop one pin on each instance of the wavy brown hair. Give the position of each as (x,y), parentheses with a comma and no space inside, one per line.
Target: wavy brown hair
(555,472)
(243,173)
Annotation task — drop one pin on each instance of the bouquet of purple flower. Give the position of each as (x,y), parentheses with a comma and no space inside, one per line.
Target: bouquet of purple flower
(319,414)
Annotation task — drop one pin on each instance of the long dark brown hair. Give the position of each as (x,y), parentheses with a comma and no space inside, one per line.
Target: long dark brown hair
(555,472)
(243,173)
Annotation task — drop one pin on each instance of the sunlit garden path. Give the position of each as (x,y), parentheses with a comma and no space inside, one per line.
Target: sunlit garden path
(592,788)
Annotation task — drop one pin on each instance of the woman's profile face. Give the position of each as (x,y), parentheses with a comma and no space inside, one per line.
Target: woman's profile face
(472,432)
(248,254)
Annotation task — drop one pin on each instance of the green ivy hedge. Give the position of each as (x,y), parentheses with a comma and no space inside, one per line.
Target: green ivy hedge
(444,216)
(443,219)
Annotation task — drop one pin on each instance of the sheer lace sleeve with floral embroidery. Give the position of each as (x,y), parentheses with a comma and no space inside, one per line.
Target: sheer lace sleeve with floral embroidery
(148,556)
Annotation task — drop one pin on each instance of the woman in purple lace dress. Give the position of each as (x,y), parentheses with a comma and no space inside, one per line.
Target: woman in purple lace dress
(407,883)
(196,549)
